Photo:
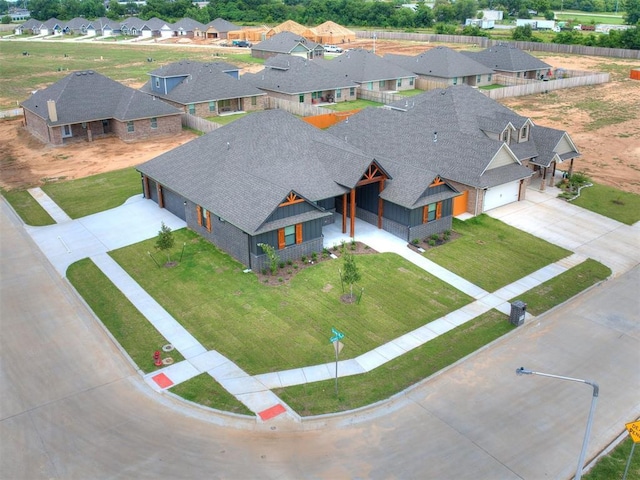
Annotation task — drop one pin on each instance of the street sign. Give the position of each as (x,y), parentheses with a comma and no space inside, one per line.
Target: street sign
(634,431)
(336,335)
(338,346)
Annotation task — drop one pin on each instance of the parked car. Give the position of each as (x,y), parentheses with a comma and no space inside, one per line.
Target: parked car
(332,49)
(241,43)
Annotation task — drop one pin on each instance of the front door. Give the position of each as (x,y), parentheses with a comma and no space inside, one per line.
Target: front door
(106,126)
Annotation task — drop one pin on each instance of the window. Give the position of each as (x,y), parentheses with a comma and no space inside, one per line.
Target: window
(154,122)
(130,127)
(381,84)
(254,101)
(338,93)
(212,106)
(370,86)
(204,217)
(66,131)
(399,83)
(431,212)
(352,91)
(524,132)
(290,235)
(157,82)
(518,74)
(301,98)
(455,80)
(192,109)
(505,137)
(478,78)
(411,81)
(489,77)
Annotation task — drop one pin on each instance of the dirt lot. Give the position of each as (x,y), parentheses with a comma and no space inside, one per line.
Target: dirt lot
(610,151)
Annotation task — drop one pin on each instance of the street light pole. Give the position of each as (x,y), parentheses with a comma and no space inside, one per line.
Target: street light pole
(596,391)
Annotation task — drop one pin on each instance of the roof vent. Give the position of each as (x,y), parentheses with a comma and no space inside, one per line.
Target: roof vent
(435,137)
(228,145)
(90,72)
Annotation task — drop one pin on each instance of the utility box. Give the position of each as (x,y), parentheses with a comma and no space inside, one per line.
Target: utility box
(518,311)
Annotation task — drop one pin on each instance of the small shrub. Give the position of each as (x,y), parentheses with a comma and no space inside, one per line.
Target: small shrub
(280,279)
(335,247)
(295,266)
(435,237)
(325,253)
(289,271)
(415,241)
(314,257)
(432,242)
(281,265)
(289,262)
(304,259)
(264,271)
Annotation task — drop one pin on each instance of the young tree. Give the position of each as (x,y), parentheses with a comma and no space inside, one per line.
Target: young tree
(165,241)
(351,274)
(271,255)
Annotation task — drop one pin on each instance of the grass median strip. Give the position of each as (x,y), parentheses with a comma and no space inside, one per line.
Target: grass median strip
(263,328)
(27,208)
(204,390)
(561,288)
(357,391)
(129,327)
(491,254)
(85,196)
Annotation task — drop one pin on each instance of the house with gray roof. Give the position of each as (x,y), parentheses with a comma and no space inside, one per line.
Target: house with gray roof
(219,28)
(287,43)
(79,26)
(444,65)
(297,79)
(187,27)
(509,60)
(86,105)
(370,71)
(204,89)
(280,180)
(31,26)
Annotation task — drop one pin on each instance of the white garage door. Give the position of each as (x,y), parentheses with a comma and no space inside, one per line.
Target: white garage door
(501,195)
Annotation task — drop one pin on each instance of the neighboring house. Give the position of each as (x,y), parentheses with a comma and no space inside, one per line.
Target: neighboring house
(271,178)
(107,28)
(19,14)
(303,81)
(509,60)
(31,26)
(189,28)
(87,105)
(219,28)
(133,26)
(287,43)
(288,26)
(156,27)
(331,33)
(53,26)
(79,26)
(444,65)
(204,89)
(370,71)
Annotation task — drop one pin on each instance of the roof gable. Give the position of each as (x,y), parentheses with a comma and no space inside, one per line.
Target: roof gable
(507,58)
(284,42)
(440,62)
(362,66)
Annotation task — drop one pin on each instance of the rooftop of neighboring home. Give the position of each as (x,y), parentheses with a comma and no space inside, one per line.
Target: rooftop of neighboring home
(507,58)
(363,66)
(285,42)
(188,25)
(201,82)
(439,62)
(87,96)
(222,25)
(290,74)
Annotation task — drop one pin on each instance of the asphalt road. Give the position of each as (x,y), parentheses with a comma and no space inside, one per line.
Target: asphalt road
(71,406)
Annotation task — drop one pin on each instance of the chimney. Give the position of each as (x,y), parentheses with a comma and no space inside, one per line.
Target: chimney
(53,112)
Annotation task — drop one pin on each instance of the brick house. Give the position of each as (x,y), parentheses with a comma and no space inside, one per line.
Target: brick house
(287,43)
(86,105)
(272,178)
(300,80)
(511,61)
(204,89)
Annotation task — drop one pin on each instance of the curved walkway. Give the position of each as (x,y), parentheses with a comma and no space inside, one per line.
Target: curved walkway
(136,220)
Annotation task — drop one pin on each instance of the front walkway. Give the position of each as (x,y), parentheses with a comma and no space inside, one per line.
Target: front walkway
(137,219)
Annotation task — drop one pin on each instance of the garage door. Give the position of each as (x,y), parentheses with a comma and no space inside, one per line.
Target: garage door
(501,195)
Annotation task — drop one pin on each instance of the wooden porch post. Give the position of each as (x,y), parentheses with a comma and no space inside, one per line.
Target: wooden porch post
(353,212)
(544,179)
(571,167)
(145,186)
(160,199)
(380,203)
(344,213)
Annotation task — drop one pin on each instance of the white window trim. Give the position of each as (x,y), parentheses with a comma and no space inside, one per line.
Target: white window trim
(67,132)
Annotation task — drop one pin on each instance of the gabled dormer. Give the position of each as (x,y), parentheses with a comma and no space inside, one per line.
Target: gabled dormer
(525,131)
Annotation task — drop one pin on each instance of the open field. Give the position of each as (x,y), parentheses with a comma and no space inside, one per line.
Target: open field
(603,120)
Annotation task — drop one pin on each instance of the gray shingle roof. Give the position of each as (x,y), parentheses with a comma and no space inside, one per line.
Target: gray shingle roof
(222,25)
(291,75)
(284,42)
(191,67)
(507,58)
(244,170)
(188,25)
(440,62)
(363,66)
(87,96)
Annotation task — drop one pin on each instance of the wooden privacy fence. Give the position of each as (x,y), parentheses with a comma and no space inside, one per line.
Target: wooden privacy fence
(424,84)
(14,112)
(537,86)
(328,119)
(198,123)
(300,109)
(484,42)
(380,97)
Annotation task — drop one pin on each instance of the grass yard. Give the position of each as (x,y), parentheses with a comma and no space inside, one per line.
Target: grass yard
(85,196)
(491,87)
(352,105)
(491,254)
(225,119)
(610,202)
(561,288)
(47,63)
(263,328)
(605,113)
(27,208)
(410,93)
(204,390)
(585,18)
(393,377)
(129,327)
(613,465)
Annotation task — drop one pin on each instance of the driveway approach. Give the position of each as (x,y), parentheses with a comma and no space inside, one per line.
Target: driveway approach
(72,407)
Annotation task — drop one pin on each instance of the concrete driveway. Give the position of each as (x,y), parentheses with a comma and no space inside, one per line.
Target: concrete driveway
(544,215)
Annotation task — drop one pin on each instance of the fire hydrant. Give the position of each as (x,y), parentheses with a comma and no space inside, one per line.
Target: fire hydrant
(157,359)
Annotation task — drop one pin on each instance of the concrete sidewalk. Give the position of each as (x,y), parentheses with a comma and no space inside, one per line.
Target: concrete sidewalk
(136,220)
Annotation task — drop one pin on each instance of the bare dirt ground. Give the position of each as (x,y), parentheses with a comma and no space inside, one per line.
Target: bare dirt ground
(610,153)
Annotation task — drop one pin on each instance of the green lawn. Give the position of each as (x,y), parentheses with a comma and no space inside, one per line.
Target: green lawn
(353,105)
(585,18)
(204,390)
(491,254)
(398,374)
(613,465)
(47,63)
(27,208)
(410,93)
(263,328)
(225,119)
(129,327)
(610,202)
(96,193)
(561,288)
(491,87)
